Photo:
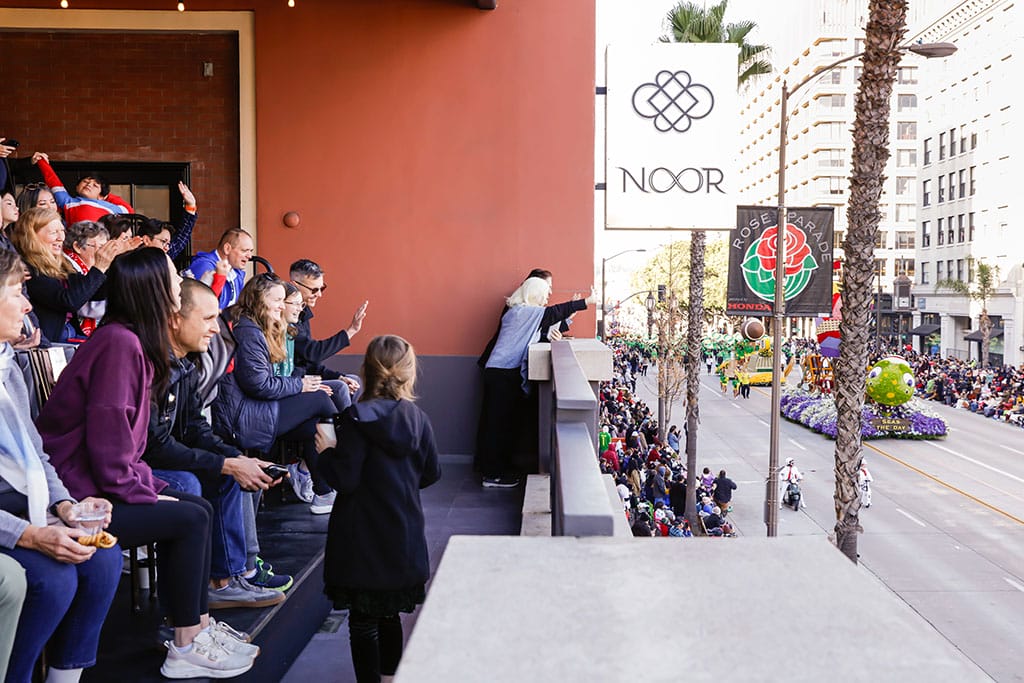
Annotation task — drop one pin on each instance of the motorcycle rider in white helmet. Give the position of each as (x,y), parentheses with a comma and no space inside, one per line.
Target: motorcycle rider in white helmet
(789,474)
(864,480)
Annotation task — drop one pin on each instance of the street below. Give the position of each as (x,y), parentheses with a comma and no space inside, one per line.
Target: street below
(945,531)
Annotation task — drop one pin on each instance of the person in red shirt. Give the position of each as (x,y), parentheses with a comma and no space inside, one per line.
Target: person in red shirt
(87,205)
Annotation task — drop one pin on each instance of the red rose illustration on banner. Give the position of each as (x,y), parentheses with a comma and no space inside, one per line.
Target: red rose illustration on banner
(797,249)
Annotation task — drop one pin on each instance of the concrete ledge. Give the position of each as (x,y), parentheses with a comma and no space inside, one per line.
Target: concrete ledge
(582,506)
(537,506)
(511,609)
(595,358)
(621,528)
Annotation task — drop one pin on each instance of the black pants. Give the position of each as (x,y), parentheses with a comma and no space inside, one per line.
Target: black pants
(296,421)
(181,530)
(745,390)
(376,645)
(501,421)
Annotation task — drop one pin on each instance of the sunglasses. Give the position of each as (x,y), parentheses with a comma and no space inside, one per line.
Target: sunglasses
(313,290)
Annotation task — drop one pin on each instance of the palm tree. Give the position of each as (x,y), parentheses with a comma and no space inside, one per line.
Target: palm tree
(985,286)
(884,32)
(689,22)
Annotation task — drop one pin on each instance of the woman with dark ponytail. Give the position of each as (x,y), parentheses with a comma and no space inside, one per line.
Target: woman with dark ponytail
(94,427)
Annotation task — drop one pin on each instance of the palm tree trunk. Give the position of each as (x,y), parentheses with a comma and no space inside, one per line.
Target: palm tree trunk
(694,322)
(885,29)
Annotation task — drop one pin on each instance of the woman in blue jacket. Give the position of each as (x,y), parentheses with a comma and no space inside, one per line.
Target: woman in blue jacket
(255,407)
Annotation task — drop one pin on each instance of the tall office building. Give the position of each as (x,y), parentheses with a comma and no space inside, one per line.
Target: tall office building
(969,174)
(819,148)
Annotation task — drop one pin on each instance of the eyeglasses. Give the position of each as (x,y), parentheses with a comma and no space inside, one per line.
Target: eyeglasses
(294,303)
(165,241)
(313,290)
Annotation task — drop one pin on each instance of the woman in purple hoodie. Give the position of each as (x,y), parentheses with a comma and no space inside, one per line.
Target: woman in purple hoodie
(94,427)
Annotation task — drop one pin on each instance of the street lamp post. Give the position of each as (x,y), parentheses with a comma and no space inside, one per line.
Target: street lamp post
(650,303)
(604,311)
(771,516)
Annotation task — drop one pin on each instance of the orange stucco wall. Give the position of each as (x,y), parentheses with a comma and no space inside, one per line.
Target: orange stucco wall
(435,152)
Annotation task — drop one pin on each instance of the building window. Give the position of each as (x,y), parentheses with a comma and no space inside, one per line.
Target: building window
(835,77)
(970,180)
(927,151)
(906,158)
(832,101)
(904,213)
(837,239)
(974,140)
(942,188)
(903,184)
(960,228)
(924,272)
(830,158)
(905,102)
(938,271)
(970,227)
(926,235)
(970,270)
(835,185)
(906,130)
(952,187)
(905,266)
(963,183)
(907,75)
(950,230)
(926,195)
(952,142)
(880,239)
(960,269)
(833,131)
(963,139)
(940,233)
(880,267)
(904,239)
(949,269)
(942,146)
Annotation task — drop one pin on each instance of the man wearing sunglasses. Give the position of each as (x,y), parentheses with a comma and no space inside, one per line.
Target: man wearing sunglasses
(311,353)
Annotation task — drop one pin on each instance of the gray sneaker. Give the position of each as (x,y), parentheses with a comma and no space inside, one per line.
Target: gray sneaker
(322,504)
(241,593)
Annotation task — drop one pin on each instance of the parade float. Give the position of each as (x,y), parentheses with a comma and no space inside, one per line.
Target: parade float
(890,412)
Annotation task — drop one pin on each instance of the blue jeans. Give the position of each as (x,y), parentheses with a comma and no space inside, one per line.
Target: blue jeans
(65,606)
(341,397)
(227,556)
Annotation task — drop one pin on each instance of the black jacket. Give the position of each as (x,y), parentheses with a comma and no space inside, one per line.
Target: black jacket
(179,436)
(724,486)
(53,299)
(376,538)
(311,353)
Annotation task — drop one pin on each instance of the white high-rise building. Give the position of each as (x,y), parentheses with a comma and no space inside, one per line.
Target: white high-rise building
(968,177)
(820,145)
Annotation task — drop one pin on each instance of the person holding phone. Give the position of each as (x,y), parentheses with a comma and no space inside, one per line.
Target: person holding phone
(95,428)
(183,450)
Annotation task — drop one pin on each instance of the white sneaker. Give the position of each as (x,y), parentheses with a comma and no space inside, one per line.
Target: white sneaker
(322,504)
(302,482)
(206,659)
(232,640)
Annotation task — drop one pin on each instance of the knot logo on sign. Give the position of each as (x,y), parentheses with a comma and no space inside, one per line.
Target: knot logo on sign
(673,101)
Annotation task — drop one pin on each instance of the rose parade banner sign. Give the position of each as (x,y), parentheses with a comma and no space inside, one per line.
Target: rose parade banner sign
(671,132)
(752,247)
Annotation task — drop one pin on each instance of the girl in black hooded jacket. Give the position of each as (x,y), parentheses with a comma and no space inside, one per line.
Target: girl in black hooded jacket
(376,562)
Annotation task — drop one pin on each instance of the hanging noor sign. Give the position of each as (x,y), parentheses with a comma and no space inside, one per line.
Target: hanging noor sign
(670,137)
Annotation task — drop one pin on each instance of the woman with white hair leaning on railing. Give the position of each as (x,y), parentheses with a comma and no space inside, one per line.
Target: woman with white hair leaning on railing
(505,383)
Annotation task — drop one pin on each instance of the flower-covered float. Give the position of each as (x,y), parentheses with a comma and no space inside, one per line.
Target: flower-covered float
(891,410)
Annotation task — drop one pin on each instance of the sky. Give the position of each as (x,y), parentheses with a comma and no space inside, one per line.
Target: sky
(642,22)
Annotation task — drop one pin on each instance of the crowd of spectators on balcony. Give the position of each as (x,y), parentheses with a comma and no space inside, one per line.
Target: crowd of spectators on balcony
(165,416)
